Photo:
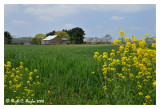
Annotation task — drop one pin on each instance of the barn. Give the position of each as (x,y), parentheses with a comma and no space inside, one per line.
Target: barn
(53,40)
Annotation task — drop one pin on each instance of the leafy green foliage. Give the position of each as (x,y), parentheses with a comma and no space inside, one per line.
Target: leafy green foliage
(51,33)
(7,38)
(76,35)
(63,35)
(37,39)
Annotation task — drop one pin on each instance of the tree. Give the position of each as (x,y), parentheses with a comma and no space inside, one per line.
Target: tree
(107,38)
(90,40)
(65,31)
(63,35)
(76,35)
(37,39)
(51,33)
(7,38)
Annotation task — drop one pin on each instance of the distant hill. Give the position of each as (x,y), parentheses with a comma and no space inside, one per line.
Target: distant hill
(21,40)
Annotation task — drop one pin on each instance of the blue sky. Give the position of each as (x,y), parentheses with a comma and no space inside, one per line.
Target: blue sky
(95,20)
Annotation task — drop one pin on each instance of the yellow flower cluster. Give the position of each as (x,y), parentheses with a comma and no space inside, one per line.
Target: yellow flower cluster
(126,39)
(135,62)
(122,33)
(105,87)
(117,42)
(19,83)
(147,36)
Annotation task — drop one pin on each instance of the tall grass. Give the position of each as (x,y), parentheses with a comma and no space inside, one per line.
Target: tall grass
(65,71)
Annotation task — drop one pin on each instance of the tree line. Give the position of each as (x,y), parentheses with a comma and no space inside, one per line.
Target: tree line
(97,40)
(73,36)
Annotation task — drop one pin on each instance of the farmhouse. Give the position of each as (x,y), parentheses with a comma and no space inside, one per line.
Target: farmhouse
(53,40)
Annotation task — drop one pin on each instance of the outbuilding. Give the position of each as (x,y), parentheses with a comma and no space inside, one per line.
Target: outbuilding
(27,43)
(53,40)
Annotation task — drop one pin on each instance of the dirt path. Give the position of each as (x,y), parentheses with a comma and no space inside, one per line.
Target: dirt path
(91,45)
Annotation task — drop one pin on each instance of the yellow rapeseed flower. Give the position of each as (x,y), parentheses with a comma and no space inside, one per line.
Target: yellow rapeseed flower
(21,67)
(28,82)
(116,42)
(139,86)
(131,75)
(136,61)
(13,69)
(132,38)
(30,78)
(26,69)
(10,82)
(144,103)
(95,56)
(35,70)
(30,74)
(5,76)
(8,64)
(147,97)
(153,45)
(37,77)
(92,72)
(38,83)
(21,63)
(126,39)
(123,77)
(17,68)
(96,53)
(136,41)
(105,87)
(121,33)
(146,34)
(17,71)
(154,38)
(154,83)
(140,93)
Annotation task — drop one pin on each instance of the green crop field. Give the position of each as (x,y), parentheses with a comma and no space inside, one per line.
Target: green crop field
(62,75)
(65,71)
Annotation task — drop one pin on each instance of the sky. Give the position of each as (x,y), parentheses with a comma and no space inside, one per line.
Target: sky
(96,20)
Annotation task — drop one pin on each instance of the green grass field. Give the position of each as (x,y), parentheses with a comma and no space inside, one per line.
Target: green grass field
(65,74)
(64,70)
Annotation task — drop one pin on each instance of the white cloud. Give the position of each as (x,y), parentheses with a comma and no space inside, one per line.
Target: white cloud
(117,18)
(67,9)
(19,22)
(68,26)
(127,7)
(51,10)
